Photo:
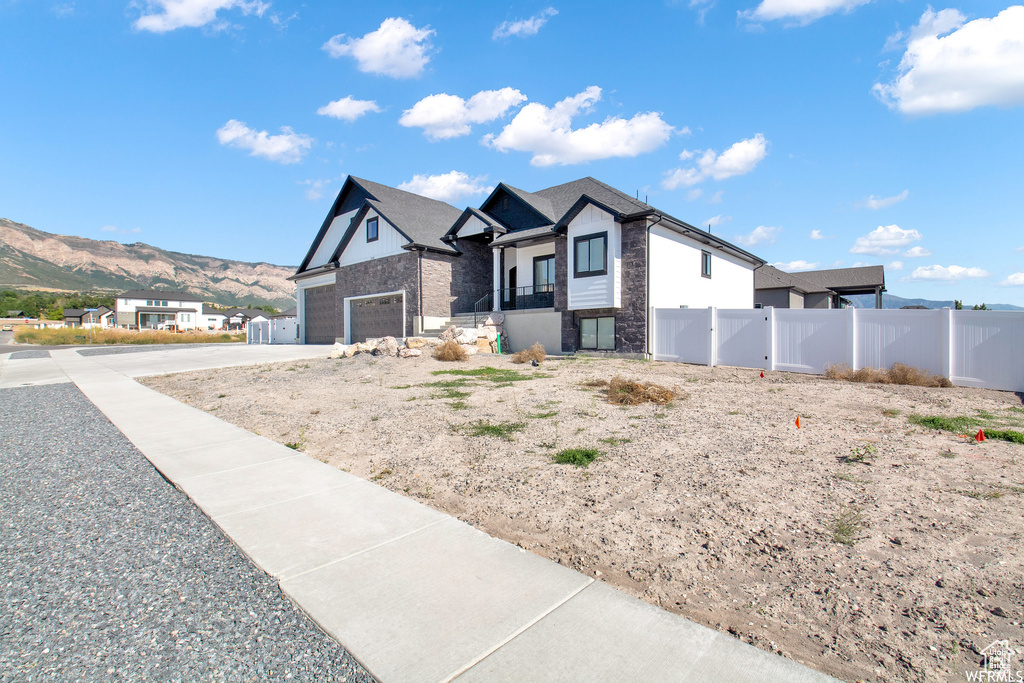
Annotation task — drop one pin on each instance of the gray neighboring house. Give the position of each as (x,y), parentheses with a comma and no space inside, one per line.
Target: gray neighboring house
(816,288)
(577,266)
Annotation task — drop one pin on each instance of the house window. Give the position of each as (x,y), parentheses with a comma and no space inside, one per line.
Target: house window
(371,229)
(544,273)
(597,333)
(591,255)
(705,264)
(149,302)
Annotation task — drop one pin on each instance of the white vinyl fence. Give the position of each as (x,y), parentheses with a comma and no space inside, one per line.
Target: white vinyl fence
(972,348)
(274,331)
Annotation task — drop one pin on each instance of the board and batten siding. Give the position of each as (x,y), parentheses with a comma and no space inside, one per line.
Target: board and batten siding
(330,241)
(599,291)
(389,242)
(676,280)
(473,226)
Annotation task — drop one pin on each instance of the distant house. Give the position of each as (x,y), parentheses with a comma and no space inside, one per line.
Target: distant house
(211,319)
(238,318)
(152,308)
(15,314)
(82,317)
(816,288)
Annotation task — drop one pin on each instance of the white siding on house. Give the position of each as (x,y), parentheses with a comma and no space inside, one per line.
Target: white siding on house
(676,280)
(601,291)
(389,242)
(473,226)
(330,241)
(524,261)
(300,293)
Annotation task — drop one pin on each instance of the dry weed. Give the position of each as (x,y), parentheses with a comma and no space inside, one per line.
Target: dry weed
(630,392)
(899,373)
(450,350)
(535,352)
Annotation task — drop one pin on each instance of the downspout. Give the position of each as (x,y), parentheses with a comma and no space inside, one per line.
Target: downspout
(419,287)
(648,353)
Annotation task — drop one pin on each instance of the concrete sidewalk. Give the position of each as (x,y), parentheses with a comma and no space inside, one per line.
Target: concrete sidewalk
(412,593)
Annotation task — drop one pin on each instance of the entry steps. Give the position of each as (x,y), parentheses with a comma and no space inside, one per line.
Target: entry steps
(459,320)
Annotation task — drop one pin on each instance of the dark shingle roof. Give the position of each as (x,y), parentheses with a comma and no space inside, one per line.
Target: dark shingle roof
(157,294)
(210,310)
(517,236)
(866,277)
(73,312)
(537,202)
(290,313)
(563,197)
(424,221)
(769,277)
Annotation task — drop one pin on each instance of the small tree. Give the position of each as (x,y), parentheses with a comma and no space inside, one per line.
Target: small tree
(958,305)
(982,307)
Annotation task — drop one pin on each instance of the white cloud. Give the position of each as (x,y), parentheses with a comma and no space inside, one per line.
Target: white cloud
(917,252)
(64,11)
(1017,279)
(446,116)
(397,49)
(715,221)
(944,273)
(717,197)
(980,63)
(447,187)
(739,159)
(524,27)
(816,235)
(167,15)
(348,109)
(896,265)
(802,12)
(547,133)
(888,239)
(795,266)
(694,194)
(761,233)
(873,202)
(316,188)
(286,148)
(1019,249)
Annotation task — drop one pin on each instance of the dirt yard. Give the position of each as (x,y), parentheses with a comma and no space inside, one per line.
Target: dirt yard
(861,544)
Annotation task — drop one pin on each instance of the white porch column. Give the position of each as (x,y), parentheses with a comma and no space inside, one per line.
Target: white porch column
(496,287)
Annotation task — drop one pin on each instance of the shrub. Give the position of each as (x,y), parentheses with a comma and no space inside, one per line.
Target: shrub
(578,457)
(535,352)
(899,373)
(450,350)
(630,392)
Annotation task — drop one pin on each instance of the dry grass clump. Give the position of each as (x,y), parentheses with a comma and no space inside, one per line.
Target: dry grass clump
(899,373)
(450,350)
(535,352)
(79,335)
(629,392)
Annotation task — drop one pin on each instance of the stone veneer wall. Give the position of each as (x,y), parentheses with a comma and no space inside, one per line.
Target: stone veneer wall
(388,274)
(631,319)
(453,283)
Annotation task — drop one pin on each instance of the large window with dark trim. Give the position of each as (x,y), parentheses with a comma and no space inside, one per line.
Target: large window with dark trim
(371,229)
(590,255)
(597,334)
(544,273)
(705,264)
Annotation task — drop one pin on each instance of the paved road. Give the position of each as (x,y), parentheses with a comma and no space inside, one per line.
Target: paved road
(107,572)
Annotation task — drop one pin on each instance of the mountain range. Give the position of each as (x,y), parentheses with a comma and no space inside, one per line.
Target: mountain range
(892,301)
(33,259)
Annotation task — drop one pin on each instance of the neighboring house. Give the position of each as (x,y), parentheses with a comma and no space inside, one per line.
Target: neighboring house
(152,308)
(816,288)
(211,319)
(15,314)
(238,318)
(81,317)
(577,266)
(290,313)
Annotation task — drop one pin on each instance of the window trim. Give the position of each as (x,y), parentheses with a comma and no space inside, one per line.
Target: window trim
(597,333)
(705,260)
(376,229)
(551,284)
(576,272)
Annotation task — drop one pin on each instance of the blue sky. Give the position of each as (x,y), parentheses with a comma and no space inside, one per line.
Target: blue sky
(815,133)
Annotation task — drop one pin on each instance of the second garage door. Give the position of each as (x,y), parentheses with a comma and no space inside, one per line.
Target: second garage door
(376,316)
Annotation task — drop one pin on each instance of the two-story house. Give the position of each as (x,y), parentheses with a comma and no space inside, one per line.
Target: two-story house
(152,308)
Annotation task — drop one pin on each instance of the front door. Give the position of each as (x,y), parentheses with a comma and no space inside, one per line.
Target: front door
(510,293)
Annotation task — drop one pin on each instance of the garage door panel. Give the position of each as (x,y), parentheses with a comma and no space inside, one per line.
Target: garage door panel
(376,316)
(321,315)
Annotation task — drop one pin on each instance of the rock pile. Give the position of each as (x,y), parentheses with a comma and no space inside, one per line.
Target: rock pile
(482,339)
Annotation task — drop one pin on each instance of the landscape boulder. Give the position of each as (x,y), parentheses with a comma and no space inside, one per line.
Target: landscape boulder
(495,318)
(351,350)
(489,331)
(450,334)
(415,342)
(338,350)
(387,346)
(410,353)
(467,336)
(483,345)
(470,349)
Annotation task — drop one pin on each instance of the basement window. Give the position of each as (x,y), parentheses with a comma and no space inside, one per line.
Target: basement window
(597,334)
(371,230)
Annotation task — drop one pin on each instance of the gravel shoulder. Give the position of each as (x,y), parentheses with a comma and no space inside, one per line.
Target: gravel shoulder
(110,573)
(715,507)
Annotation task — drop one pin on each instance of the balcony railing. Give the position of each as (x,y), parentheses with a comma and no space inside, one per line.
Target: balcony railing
(516,299)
